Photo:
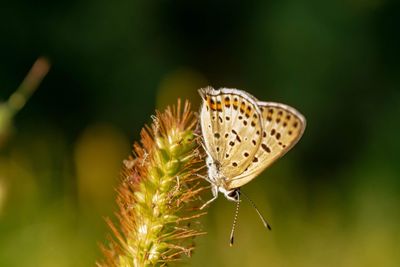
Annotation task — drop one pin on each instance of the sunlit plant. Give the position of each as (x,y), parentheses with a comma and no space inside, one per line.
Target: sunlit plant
(158,196)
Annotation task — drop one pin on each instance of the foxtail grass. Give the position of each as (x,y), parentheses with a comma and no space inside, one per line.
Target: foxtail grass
(159,195)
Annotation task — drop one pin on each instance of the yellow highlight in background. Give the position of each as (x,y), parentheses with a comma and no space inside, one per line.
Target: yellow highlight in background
(182,83)
(98,157)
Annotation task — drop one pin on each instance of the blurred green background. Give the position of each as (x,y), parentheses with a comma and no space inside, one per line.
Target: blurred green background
(332,201)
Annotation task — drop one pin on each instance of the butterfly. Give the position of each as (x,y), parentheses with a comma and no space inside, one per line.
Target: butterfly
(242,136)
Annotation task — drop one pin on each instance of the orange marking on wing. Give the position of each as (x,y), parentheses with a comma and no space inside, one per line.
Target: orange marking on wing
(248,112)
(213,105)
(242,107)
(227,102)
(235,103)
(208,99)
(219,106)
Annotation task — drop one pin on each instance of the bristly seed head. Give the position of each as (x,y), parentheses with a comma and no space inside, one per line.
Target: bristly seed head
(158,195)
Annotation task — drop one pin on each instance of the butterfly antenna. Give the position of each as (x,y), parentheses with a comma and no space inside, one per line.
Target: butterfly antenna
(234,223)
(264,221)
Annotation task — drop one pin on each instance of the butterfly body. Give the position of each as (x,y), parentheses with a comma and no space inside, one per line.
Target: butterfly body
(218,181)
(243,136)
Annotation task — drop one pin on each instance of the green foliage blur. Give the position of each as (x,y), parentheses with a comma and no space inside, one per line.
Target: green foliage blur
(332,201)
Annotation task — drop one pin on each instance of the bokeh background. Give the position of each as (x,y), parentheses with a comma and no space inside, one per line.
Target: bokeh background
(332,201)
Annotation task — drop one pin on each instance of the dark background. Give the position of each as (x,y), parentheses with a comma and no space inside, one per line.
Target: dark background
(332,201)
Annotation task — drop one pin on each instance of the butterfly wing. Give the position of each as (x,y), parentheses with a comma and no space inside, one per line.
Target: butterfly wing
(283,127)
(231,125)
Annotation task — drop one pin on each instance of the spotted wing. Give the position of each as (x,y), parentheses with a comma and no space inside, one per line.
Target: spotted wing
(283,127)
(231,126)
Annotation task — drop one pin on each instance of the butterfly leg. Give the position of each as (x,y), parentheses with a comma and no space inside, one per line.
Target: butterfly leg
(214,190)
(205,178)
(202,176)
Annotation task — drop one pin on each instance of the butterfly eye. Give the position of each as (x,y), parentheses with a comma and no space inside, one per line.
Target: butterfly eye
(234,195)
